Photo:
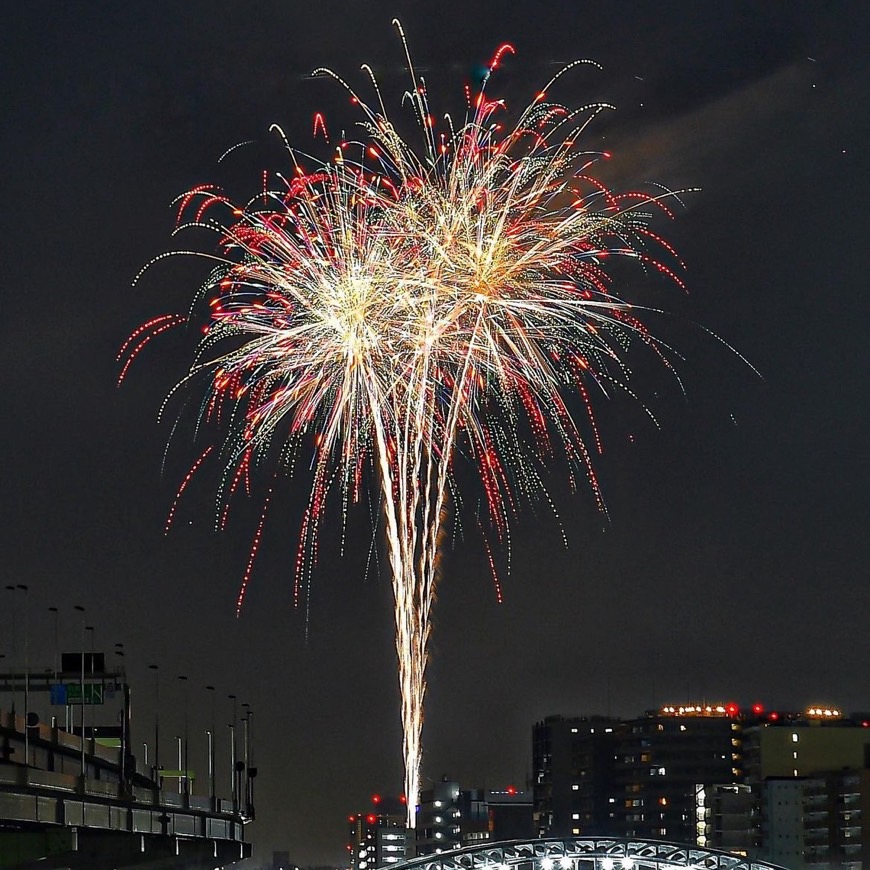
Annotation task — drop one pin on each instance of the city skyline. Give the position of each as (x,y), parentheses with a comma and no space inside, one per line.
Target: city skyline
(735,526)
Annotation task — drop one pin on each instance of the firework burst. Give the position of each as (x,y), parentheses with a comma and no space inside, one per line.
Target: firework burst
(397,307)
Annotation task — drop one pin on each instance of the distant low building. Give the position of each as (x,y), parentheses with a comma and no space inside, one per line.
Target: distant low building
(509,814)
(451,817)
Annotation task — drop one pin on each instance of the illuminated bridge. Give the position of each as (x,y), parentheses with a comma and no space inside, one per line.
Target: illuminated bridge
(584,853)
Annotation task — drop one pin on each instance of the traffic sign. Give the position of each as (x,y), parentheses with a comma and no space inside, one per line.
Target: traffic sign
(70,694)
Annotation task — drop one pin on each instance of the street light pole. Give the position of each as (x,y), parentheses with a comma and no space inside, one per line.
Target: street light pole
(53,610)
(233,751)
(14,651)
(178,741)
(24,588)
(127,766)
(156,670)
(212,736)
(90,629)
(2,656)
(185,756)
(81,611)
(246,715)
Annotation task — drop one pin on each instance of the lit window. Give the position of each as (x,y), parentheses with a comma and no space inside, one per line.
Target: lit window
(575,787)
(575,816)
(794,738)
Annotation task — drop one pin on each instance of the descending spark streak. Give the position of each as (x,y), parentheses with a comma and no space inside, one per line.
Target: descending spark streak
(397,309)
(187,478)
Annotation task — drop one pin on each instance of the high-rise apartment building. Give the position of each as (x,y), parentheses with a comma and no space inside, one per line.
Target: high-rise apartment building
(804,744)
(726,817)
(780,810)
(664,759)
(836,820)
(636,777)
(789,788)
(810,773)
(377,838)
(573,762)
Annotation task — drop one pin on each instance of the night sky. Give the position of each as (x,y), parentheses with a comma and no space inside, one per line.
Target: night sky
(733,564)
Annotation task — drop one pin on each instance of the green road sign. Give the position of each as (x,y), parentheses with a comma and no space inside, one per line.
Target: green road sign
(93,693)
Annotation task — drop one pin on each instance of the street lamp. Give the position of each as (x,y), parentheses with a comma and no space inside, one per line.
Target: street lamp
(185,756)
(81,612)
(2,656)
(54,611)
(24,588)
(233,750)
(156,670)
(90,629)
(246,717)
(14,651)
(211,749)
(127,767)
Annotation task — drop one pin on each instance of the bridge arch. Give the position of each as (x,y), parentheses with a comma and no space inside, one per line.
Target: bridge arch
(584,853)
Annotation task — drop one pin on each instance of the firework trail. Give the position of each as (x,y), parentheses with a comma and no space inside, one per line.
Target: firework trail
(394,308)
